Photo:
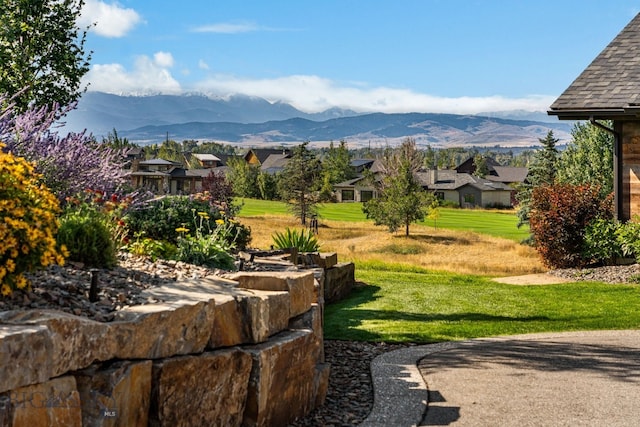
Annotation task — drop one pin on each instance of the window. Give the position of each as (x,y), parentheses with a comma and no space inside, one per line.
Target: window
(439,195)
(470,198)
(348,195)
(366,195)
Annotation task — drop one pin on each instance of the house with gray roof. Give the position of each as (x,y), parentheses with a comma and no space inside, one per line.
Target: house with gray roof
(609,89)
(465,190)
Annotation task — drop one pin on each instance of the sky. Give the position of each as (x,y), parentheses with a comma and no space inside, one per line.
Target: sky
(444,56)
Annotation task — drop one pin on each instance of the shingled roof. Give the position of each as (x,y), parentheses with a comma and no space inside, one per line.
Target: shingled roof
(609,87)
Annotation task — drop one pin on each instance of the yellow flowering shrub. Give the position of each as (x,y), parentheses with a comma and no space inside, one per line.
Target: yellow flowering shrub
(28,223)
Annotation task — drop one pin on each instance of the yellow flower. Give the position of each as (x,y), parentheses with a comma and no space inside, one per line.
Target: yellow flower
(11,265)
(6,290)
(219,221)
(182,230)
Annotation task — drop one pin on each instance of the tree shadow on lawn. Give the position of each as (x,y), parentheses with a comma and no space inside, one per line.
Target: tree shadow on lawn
(347,317)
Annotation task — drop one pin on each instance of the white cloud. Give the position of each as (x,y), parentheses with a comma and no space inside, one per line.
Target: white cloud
(112,20)
(227,28)
(163,59)
(306,92)
(148,76)
(313,94)
(203,65)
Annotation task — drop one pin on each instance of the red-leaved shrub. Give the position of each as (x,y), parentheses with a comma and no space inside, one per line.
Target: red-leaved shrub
(559,216)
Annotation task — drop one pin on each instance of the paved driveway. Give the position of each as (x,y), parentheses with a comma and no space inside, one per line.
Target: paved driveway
(561,379)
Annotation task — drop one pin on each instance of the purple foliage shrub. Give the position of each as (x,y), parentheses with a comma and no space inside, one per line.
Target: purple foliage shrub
(69,164)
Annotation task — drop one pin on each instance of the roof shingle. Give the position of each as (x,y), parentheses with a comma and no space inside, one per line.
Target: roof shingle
(610,85)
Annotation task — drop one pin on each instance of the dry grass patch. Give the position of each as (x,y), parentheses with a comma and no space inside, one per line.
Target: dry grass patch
(436,249)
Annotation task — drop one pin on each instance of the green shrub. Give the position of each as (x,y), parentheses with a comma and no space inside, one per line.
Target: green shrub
(144,246)
(84,231)
(559,217)
(208,247)
(602,242)
(158,219)
(607,240)
(303,240)
(28,223)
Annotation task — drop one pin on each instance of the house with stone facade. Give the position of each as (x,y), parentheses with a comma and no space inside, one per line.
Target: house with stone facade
(609,89)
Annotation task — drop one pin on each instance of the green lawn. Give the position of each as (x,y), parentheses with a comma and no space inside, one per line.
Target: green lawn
(494,223)
(414,305)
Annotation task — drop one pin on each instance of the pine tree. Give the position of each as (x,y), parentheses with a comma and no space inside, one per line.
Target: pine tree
(542,171)
(298,182)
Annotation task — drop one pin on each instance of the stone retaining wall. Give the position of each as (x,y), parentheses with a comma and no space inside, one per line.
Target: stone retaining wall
(240,351)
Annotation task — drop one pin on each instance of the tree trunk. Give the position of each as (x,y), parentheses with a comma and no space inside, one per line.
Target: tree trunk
(406,228)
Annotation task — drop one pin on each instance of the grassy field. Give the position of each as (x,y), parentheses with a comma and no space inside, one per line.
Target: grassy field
(427,306)
(491,222)
(436,284)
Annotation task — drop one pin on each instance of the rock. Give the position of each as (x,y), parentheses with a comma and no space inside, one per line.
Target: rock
(282,385)
(163,329)
(338,281)
(204,390)
(55,403)
(325,260)
(70,342)
(117,395)
(300,286)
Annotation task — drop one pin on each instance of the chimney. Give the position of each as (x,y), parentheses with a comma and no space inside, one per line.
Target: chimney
(433,176)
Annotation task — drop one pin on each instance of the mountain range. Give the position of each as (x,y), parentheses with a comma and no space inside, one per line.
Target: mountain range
(252,121)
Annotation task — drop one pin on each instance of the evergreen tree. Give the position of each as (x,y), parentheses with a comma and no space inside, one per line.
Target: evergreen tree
(401,199)
(542,171)
(298,182)
(41,52)
(337,163)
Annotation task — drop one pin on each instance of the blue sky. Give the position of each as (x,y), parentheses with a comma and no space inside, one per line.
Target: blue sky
(449,56)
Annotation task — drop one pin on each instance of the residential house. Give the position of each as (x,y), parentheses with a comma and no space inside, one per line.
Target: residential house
(133,156)
(505,174)
(462,189)
(202,161)
(466,190)
(153,174)
(511,176)
(275,163)
(358,189)
(257,156)
(609,89)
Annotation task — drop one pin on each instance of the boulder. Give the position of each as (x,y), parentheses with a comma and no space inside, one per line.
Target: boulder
(161,330)
(54,403)
(283,385)
(300,286)
(204,390)
(25,355)
(115,395)
(75,342)
(338,281)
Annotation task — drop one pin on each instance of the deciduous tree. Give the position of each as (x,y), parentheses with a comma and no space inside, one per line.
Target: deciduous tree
(401,199)
(42,52)
(588,158)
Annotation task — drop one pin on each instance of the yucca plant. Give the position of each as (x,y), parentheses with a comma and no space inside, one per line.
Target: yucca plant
(303,240)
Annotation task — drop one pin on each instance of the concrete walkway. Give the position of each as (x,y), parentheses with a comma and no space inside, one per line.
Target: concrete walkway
(559,379)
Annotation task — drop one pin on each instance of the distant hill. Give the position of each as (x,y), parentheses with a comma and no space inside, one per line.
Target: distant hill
(101,112)
(437,130)
(254,121)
